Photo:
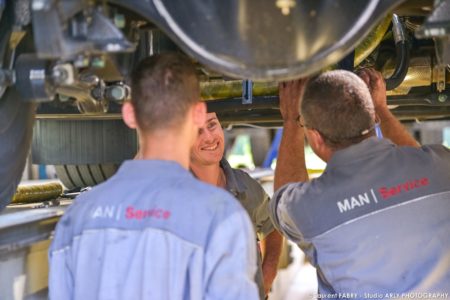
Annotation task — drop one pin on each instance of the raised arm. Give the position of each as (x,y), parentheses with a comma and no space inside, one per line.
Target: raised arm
(291,165)
(390,126)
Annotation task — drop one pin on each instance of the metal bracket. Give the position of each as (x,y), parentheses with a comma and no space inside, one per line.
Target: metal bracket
(247,91)
(440,78)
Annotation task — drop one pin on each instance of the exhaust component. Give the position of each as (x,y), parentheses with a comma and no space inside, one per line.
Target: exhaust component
(420,73)
(402,55)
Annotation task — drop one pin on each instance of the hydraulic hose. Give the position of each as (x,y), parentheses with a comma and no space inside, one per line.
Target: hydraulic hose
(402,55)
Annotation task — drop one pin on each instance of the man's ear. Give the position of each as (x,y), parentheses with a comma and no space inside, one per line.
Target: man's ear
(319,146)
(128,115)
(199,114)
(316,140)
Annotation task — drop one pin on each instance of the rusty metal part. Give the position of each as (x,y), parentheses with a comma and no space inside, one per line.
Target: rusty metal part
(372,40)
(37,193)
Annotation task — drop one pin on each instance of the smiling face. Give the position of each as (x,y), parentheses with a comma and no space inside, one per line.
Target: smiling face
(209,147)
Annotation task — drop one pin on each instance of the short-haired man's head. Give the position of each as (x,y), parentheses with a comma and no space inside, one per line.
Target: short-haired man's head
(163,88)
(339,106)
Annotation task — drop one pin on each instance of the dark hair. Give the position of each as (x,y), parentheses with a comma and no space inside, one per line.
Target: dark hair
(339,106)
(163,88)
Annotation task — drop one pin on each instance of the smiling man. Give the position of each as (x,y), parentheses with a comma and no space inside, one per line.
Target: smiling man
(208,164)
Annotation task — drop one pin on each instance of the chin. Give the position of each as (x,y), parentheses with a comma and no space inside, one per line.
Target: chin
(215,158)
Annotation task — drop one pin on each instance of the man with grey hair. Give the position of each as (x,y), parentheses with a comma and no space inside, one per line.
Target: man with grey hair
(377,220)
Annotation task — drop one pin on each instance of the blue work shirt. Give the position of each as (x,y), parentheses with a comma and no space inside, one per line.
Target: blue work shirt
(153,231)
(376,222)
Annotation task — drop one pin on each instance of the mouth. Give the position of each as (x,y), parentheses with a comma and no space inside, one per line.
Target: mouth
(212,147)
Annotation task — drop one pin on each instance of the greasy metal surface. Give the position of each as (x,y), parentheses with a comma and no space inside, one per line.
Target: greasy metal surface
(258,40)
(37,193)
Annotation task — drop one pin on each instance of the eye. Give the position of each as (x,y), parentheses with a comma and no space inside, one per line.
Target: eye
(212,125)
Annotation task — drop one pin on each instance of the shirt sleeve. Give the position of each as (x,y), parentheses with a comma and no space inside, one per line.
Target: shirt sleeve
(260,206)
(280,211)
(263,221)
(231,259)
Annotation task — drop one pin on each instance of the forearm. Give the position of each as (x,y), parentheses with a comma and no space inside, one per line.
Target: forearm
(394,130)
(271,250)
(291,166)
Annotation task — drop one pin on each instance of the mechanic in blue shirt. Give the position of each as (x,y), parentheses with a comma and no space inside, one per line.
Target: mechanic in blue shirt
(377,221)
(153,231)
(209,165)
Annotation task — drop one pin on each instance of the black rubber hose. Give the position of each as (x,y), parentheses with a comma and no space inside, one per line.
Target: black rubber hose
(402,55)
(401,66)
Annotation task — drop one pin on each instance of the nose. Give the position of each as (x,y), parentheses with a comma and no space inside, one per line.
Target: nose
(208,136)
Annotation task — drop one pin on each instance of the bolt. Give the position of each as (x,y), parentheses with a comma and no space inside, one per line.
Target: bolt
(442,98)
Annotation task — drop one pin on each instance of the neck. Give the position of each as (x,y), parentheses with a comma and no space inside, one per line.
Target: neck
(327,156)
(212,174)
(165,145)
